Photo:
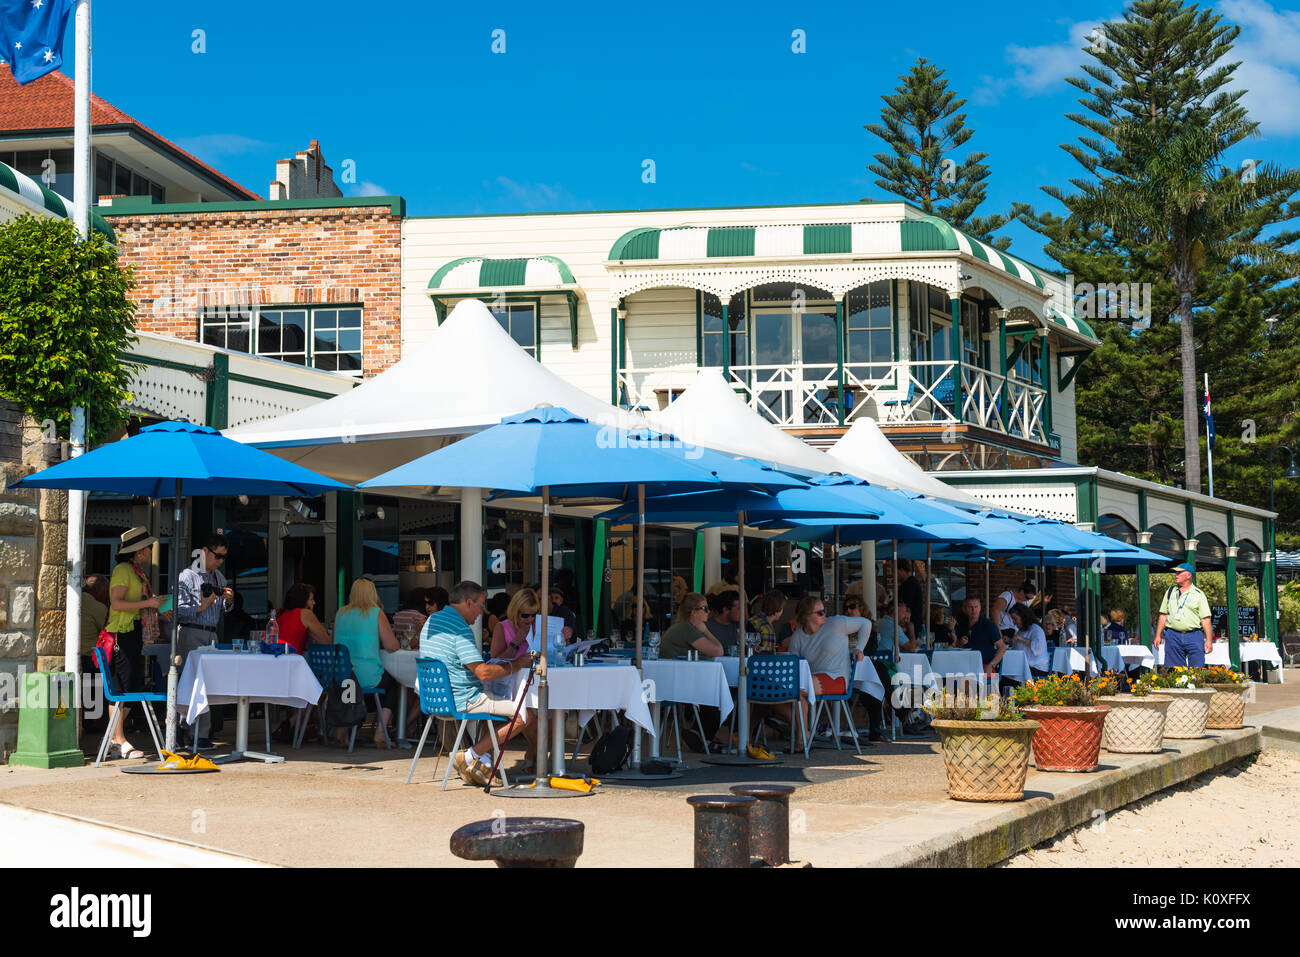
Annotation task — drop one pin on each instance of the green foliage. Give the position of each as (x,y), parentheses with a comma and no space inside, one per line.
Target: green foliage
(1159,206)
(1055,691)
(921,125)
(1289,604)
(65,319)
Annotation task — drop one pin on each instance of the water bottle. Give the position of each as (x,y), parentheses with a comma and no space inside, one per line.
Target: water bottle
(272,630)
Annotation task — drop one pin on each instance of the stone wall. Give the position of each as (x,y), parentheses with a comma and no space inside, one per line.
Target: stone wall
(33,561)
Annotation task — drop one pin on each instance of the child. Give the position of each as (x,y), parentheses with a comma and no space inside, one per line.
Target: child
(1116,633)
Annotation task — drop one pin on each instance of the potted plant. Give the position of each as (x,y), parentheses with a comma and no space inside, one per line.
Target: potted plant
(1135,723)
(1228,706)
(985,750)
(1072,722)
(1190,706)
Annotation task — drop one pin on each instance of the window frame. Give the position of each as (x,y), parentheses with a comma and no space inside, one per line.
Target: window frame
(509,301)
(849,327)
(309,351)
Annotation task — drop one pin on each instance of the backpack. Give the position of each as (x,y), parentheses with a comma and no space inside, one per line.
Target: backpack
(611,750)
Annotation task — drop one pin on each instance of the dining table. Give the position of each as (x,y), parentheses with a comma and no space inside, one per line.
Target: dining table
(215,676)
(702,682)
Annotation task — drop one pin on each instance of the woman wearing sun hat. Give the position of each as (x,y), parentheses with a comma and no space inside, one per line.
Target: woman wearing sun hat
(132,620)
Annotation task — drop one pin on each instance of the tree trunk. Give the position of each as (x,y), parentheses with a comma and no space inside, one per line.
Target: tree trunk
(1191,420)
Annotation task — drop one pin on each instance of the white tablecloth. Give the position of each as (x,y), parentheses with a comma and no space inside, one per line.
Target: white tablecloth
(957,662)
(914,667)
(866,679)
(401,665)
(732,667)
(1015,665)
(595,688)
(688,682)
(1248,650)
(1075,660)
(223,677)
(1121,657)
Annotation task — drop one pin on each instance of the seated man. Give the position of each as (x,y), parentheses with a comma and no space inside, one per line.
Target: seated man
(907,642)
(978,633)
(447,637)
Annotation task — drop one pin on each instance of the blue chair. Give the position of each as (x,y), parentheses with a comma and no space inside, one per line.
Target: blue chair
(437,701)
(774,679)
(943,392)
(896,409)
(322,660)
(826,704)
(113,696)
(886,658)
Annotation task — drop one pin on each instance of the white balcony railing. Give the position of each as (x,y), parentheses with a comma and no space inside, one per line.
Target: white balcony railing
(894,393)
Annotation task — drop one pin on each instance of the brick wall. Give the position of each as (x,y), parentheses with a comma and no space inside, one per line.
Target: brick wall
(272,257)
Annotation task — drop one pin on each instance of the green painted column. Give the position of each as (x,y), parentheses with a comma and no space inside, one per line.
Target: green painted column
(839,357)
(726,339)
(1190,515)
(218,397)
(1002,367)
(1268,583)
(699,329)
(699,563)
(620,318)
(955,334)
(1143,572)
(613,357)
(600,540)
(1045,377)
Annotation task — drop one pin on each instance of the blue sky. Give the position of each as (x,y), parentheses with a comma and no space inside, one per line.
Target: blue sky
(584,93)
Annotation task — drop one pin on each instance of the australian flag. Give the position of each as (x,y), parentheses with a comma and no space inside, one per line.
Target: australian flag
(1209,421)
(31,36)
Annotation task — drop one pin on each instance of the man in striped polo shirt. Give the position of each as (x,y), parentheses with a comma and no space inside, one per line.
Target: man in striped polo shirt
(447,636)
(1184,622)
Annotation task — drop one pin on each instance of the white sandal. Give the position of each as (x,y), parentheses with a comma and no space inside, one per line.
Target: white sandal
(128,750)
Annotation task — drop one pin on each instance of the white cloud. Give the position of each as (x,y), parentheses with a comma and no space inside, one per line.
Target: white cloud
(220,145)
(1036,70)
(535,196)
(367,188)
(1269,51)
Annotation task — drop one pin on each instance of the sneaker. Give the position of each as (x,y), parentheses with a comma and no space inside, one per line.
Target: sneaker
(483,775)
(463,768)
(824,730)
(205,744)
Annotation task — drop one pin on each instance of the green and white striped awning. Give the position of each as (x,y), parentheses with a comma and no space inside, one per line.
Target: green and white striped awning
(1072,324)
(477,272)
(921,234)
(38,199)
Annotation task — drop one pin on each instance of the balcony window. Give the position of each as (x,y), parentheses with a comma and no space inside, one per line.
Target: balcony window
(870,330)
(711,331)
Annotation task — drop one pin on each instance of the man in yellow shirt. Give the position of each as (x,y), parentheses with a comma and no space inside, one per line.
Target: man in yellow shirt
(1184,622)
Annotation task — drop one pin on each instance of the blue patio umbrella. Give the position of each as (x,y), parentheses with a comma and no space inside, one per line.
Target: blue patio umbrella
(552,451)
(174,460)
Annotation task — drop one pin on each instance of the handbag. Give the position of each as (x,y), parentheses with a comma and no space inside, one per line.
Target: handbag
(108,641)
(340,712)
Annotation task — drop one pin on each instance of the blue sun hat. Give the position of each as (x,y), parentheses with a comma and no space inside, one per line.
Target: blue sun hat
(1185,567)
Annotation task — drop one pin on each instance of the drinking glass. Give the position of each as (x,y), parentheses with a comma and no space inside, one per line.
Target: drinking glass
(238,645)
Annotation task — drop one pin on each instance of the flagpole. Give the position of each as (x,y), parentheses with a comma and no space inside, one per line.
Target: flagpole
(77,430)
(1209,438)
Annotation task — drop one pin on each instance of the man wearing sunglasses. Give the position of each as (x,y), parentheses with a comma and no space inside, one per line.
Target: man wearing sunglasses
(202,596)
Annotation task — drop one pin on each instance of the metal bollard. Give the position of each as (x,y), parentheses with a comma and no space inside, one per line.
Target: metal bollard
(721,829)
(769,821)
(520,841)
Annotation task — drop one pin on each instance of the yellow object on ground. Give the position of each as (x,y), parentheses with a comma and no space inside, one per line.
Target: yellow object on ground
(571,784)
(761,753)
(175,762)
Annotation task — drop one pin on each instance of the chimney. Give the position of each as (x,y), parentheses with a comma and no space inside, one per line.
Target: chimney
(305,176)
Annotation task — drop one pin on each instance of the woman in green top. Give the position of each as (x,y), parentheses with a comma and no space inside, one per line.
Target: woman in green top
(132,620)
(363,629)
(690,630)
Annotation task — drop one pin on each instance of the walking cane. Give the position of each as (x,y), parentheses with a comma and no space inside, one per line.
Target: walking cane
(496,761)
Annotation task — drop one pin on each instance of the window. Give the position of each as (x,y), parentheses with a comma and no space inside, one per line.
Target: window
(711,331)
(336,339)
(870,328)
(972,337)
(327,338)
(520,321)
(117,179)
(1027,365)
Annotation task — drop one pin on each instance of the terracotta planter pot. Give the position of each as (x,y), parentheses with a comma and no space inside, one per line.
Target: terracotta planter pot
(1227,707)
(1070,737)
(1188,712)
(1135,725)
(985,760)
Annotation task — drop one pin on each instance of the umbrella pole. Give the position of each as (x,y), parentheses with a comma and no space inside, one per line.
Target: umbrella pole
(543,685)
(639,617)
(173,679)
(929,634)
(988,594)
(895,600)
(742,696)
(835,576)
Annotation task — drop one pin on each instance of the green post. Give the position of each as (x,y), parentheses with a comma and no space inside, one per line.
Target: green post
(47,722)
(699,563)
(1002,364)
(598,571)
(1143,572)
(726,340)
(613,356)
(1190,513)
(1230,580)
(839,358)
(1268,581)
(218,397)
(1045,377)
(958,402)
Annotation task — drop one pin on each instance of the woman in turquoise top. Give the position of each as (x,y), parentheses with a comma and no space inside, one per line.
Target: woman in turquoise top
(363,629)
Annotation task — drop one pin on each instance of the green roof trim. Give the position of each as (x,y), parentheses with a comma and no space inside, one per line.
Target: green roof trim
(498,273)
(827,239)
(503,272)
(730,241)
(145,206)
(28,190)
(637,244)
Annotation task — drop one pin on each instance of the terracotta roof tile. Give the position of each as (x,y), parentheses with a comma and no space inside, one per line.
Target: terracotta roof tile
(47,104)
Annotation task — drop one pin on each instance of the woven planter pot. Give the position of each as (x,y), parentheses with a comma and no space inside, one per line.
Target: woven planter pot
(1135,725)
(985,760)
(1070,737)
(1188,712)
(1227,707)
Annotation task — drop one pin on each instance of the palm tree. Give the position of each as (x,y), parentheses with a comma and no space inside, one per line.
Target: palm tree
(1188,210)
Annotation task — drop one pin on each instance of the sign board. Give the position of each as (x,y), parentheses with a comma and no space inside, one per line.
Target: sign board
(1247,619)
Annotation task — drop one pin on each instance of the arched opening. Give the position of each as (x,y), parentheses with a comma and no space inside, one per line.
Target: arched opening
(1211,552)
(1167,541)
(1117,527)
